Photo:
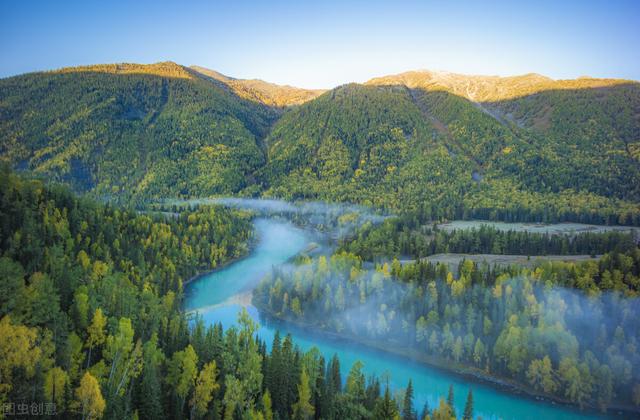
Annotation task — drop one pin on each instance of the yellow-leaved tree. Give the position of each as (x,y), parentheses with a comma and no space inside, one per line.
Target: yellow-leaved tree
(89,398)
(55,382)
(18,349)
(206,385)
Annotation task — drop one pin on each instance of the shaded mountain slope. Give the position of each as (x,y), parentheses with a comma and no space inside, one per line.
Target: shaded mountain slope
(132,131)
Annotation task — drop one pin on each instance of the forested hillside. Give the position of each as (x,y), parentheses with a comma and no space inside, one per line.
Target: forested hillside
(131,132)
(553,135)
(426,148)
(92,326)
(428,145)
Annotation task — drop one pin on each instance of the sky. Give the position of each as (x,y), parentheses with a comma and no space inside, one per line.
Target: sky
(322,44)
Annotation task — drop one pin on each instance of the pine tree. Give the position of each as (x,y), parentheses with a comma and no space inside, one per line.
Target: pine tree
(425,411)
(450,400)
(149,391)
(334,375)
(386,407)
(468,407)
(319,395)
(274,380)
(407,405)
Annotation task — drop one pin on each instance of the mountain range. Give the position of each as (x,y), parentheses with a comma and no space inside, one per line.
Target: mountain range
(431,144)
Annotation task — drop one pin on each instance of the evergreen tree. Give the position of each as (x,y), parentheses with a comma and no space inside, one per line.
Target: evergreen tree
(386,407)
(149,390)
(425,411)
(450,400)
(334,374)
(468,407)
(408,412)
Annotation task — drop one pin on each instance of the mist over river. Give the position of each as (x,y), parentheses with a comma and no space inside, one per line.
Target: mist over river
(220,295)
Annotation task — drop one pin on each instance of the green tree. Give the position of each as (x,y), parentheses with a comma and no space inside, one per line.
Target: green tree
(303,409)
(408,413)
(267,410)
(468,407)
(205,387)
(181,373)
(96,332)
(11,286)
(541,376)
(386,407)
(450,401)
(149,398)
(123,357)
(234,397)
(55,382)
(355,386)
(576,379)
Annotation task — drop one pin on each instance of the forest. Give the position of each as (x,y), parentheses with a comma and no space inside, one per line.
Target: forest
(405,237)
(561,329)
(92,325)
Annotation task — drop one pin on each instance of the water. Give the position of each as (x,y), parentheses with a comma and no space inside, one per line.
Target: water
(277,241)
(211,296)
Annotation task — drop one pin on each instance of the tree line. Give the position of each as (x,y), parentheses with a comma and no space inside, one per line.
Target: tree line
(402,237)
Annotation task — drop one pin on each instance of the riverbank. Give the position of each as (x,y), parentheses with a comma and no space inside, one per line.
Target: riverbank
(253,242)
(468,373)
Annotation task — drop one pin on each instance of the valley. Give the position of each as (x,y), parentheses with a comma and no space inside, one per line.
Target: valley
(441,234)
(335,210)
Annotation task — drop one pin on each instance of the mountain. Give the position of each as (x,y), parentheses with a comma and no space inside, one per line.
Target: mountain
(433,144)
(260,91)
(473,144)
(132,131)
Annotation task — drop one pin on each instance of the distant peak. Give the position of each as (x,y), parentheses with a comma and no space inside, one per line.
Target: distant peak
(211,73)
(258,90)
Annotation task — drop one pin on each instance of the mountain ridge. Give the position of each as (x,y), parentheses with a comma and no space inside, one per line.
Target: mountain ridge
(491,88)
(166,68)
(259,90)
(465,143)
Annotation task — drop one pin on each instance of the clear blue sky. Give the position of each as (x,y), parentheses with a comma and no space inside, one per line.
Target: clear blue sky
(326,43)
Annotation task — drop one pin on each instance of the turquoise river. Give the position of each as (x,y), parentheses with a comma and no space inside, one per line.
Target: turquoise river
(220,295)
